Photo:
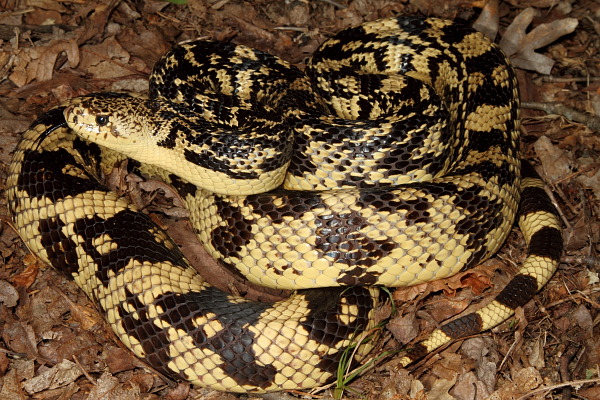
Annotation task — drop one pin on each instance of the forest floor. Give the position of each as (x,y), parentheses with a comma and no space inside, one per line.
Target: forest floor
(55,345)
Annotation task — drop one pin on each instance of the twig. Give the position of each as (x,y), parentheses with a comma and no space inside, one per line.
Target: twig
(591,261)
(581,294)
(89,378)
(560,79)
(8,31)
(291,28)
(13,354)
(518,339)
(333,3)
(592,121)
(565,360)
(574,174)
(558,386)
(558,209)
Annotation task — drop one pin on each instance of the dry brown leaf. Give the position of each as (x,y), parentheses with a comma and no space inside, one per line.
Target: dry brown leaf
(59,375)
(556,163)
(106,60)
(524,381)
(6,62)
(533,3)
(450,365)
(108,387)
(406,294)
(397,383)
(488,20)
(11,386)
(591,181)
(46,5)
(537,356)
(177,208)
(520,45)
(484,351)
(144,381)
(49,54)
(27,277)
(405,328)
(182,390)
(19,337)
(477,281)
(440,389)
(466,388)
(448,307)
(592,392)
(85,316)
(8,294)
(584,319)
(4,363)
(118,359)
(37,63)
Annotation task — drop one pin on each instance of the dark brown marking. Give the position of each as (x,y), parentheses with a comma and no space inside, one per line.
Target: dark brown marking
(233,343)
(546,242)
(467,325)
(42,176)
(61,249)
(142,246)
(323,319)
(518,291)
(139,325)
(534,199)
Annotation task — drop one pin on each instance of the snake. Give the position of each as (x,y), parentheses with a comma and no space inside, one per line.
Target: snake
(391,160)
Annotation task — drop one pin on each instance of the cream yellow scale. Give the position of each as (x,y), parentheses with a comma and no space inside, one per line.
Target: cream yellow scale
(398,149)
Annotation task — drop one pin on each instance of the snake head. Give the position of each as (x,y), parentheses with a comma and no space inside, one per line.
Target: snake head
(103,117)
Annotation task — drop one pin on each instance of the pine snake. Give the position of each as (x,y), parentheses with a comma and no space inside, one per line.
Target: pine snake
(392,160)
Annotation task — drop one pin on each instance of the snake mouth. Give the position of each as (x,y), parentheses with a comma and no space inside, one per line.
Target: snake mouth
(87,125)
(71,116)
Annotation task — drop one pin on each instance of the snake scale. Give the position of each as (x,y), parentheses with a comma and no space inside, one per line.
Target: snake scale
(392,160)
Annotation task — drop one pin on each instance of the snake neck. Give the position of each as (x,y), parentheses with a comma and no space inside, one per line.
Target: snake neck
(227,158)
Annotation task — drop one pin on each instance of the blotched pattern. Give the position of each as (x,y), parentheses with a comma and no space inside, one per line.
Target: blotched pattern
(397,156)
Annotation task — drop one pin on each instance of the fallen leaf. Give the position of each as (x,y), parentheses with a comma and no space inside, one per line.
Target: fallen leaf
(8,294)
(37,63)
(440,389)
(108,387)
(556,163)
(49,54)
(405,328)
(488,20)
(85,316)
(584,319)
(182,390)
(467,388)
(537,356)
(592,392)
(448,307)
(27,277)
(520,45)
(524,381)
(477,282)
(484,351)
(118,359)
(4,363)
(59,375)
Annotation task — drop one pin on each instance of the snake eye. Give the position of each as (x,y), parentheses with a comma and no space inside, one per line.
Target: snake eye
(102,120)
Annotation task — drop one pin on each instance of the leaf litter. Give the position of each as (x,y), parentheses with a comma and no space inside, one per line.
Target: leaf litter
(54,344)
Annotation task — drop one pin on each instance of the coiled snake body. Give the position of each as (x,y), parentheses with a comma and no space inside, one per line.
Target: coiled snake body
(393,160)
